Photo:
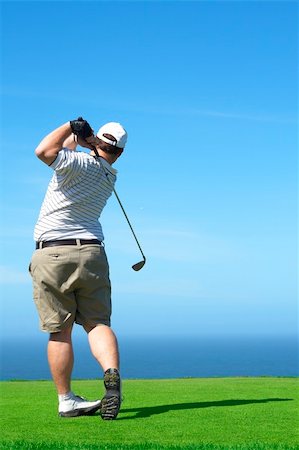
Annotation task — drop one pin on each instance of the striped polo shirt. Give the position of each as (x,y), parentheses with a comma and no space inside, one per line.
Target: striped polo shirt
(76,196)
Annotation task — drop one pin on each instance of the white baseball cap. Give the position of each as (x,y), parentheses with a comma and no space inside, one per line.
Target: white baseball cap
(117,131)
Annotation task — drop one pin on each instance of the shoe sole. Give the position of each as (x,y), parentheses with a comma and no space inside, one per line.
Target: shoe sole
(80,412)
(110,407)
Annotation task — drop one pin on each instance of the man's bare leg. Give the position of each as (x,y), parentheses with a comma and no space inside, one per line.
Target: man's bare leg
(61,359)
(104,347)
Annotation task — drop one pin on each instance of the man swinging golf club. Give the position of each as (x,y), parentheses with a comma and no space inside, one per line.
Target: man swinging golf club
(69,267)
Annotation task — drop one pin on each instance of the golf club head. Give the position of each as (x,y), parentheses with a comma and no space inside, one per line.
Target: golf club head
(138,265)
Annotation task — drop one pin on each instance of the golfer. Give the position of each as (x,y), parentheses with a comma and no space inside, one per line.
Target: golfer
(69,267)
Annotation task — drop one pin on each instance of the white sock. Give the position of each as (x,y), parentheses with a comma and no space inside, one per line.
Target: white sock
(67,396)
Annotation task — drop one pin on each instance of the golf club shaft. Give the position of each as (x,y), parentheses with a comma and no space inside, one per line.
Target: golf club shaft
(122,208)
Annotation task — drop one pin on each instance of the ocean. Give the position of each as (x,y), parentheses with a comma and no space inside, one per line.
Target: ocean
(162,357)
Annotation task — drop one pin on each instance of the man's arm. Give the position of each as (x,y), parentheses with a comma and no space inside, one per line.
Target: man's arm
(51,145)
(63,136)
(71,142)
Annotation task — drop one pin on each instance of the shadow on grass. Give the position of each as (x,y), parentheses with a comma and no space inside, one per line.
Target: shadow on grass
(148,411)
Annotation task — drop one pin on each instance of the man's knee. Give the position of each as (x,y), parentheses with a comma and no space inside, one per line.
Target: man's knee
(88,328)
(62,336)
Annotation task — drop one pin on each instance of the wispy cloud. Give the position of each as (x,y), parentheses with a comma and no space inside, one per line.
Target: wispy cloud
(183,110)
(148,107)
(242,116)
(174,288)
(176,245)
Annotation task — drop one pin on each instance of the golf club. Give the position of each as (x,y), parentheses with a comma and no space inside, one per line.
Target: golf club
(140,264)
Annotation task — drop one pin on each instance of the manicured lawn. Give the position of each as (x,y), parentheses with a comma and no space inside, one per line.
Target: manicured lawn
(190,414)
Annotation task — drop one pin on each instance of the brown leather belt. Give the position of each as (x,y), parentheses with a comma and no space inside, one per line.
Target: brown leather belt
(67,242)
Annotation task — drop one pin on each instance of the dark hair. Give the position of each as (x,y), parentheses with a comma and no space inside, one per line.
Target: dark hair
(109,148)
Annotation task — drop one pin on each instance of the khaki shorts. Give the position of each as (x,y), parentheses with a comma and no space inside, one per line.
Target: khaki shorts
(71,284)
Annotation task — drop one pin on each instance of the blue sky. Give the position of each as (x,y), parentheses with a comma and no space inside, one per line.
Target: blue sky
(208,92)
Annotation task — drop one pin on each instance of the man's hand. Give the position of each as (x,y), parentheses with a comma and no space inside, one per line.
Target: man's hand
(90,142)
(81,128)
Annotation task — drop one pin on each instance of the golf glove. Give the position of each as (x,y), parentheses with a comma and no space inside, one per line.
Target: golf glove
(81,128)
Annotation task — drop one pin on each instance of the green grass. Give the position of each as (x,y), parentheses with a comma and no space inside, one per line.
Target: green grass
(189,414)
